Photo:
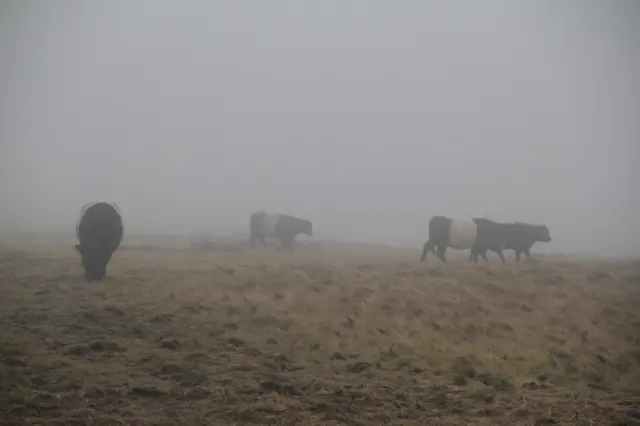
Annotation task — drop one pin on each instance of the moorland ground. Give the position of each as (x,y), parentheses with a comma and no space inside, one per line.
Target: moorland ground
(321,336)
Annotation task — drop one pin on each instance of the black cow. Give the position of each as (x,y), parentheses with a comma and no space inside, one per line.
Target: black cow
(517,236)
(99,232)
(279,226)
(491,236)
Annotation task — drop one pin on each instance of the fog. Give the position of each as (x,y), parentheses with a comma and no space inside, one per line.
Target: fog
(367,117)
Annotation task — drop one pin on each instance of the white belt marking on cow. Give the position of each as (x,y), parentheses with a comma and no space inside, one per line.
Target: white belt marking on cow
(269,222)
(462,234)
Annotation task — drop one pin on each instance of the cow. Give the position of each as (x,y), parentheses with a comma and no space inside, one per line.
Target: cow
(445,232)
(279,226)
(492,236)
(99,233)
(517,236)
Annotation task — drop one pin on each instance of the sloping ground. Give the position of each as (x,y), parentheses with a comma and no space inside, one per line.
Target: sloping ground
(255,338)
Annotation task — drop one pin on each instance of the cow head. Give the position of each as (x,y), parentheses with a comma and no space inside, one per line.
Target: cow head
(94,262)
(307,227)
(542,234)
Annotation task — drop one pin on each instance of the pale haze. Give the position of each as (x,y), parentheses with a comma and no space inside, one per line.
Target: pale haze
(366,117)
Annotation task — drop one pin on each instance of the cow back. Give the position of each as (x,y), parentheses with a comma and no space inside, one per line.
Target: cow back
(495,235)
(100,224)
(288,225)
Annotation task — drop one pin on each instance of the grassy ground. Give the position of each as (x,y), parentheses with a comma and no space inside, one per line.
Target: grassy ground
(323,336)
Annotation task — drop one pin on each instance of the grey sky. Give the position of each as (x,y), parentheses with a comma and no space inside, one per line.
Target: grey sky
(365,116)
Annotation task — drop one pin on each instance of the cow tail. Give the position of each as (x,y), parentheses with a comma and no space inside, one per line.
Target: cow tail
(78,226)
(86,206)
(276,231)
(79,221)
(115,206)
(121,228)
(256,223)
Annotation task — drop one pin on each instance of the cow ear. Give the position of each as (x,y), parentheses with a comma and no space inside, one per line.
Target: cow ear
(78,247)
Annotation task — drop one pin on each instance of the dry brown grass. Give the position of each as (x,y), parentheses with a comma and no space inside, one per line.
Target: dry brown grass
(317,337)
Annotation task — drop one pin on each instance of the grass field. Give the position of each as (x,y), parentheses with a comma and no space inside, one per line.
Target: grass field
(327,335)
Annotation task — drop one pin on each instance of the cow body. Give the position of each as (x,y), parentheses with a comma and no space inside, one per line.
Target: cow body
(99,233)
(444,232)
(278,226)
(491,236)
(517,236)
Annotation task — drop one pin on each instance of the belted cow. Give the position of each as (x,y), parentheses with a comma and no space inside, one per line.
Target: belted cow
(99,233)
(445,232)
(279,226)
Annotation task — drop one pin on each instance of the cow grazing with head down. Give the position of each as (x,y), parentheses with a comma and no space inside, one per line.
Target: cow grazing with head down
(99,233)
(517,236)
(445,232)
(279,226)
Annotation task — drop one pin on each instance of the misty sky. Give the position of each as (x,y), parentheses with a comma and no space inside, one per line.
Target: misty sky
(365,116)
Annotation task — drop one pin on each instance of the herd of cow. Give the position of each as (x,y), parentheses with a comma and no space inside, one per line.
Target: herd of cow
(100,231)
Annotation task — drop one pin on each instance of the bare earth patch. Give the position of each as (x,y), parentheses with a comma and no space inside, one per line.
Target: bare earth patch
(179,337)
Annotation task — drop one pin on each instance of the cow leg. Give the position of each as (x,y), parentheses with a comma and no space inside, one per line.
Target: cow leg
(289,244)
(286,243)
(518,255)
(428,246)
(253,239)
(442,249)
(499,253)
(473,254)
(107,263)
(478,250)
(483,255)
